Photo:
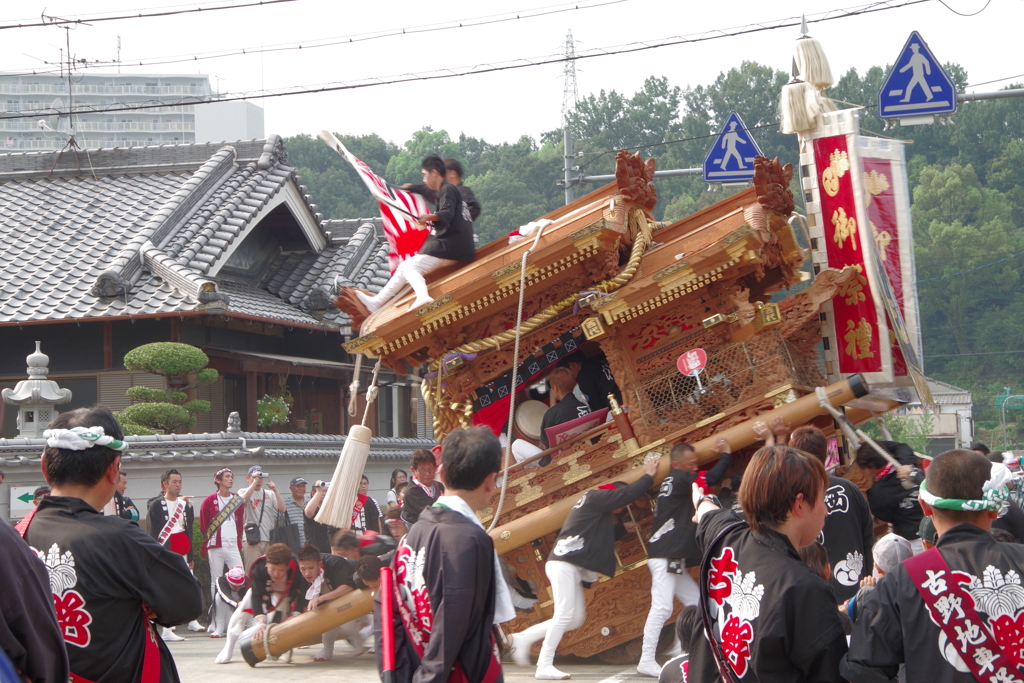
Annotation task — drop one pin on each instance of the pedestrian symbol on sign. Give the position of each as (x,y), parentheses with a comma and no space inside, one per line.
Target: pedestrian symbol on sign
(916,85)
(731,157)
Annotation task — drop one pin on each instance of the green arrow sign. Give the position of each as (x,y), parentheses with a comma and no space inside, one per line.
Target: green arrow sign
(26,497)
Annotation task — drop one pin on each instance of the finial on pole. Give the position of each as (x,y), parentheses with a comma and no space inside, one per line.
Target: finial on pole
(803,26)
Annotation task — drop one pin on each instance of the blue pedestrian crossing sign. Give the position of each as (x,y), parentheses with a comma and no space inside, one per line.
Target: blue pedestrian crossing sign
(916,84)
(731,157)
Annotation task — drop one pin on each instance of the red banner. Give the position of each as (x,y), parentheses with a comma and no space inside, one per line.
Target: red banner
(854,309)
(881,202)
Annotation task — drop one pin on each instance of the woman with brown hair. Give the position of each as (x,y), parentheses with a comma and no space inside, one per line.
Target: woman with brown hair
(766,614)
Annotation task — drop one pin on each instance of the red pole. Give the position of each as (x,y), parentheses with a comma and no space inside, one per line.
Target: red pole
(387,621)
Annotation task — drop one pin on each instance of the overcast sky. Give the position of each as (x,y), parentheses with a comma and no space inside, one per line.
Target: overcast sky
(498,106)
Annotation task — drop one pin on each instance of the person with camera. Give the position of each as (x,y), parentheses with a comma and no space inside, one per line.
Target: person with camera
(260,514)
(317,533)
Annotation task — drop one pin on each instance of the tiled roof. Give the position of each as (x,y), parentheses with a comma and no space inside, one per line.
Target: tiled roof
(223,446)
(145,231)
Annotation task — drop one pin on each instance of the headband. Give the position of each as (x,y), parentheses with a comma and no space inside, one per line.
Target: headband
(994,493)
(81,438)
(220,473)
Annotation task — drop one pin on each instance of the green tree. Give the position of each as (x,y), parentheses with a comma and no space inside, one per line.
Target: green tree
(166,410)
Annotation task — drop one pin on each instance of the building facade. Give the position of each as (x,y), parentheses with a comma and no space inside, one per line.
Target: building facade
(182,120)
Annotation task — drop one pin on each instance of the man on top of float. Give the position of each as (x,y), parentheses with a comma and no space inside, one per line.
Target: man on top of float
(450,241)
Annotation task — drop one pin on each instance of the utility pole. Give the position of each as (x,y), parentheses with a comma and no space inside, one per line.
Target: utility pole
(570,97)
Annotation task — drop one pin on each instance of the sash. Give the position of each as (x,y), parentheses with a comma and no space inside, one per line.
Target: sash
(953,609)
(151,651)
(430,491)
(222,516)
(357,509)
(226,599)
(172,520)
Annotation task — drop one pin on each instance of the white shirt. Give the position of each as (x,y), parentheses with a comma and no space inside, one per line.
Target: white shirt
(172,506)
(228,530)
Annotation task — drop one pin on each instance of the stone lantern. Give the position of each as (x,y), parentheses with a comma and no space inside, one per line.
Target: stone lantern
(36,397)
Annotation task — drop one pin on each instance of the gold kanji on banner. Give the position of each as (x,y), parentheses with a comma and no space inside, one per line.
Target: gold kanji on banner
(874,183)
(846,227)
(882,238)
(854,289)
(858,339)
(839,164)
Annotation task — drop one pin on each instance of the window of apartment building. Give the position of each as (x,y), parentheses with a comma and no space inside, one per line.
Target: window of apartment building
(13,105)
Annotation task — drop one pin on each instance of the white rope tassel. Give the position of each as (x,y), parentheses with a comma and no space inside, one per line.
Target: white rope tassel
(812,63)
(515,377)
(336,509)
(799,108)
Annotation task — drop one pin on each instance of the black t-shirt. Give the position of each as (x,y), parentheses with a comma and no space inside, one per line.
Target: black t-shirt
(319,534)
(416,499)
(566,410)
(338,571)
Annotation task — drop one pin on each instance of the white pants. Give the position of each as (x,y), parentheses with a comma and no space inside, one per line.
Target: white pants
(524,450)
(664,587)
(570,608)
(409,271)
(219,559)
(350,630)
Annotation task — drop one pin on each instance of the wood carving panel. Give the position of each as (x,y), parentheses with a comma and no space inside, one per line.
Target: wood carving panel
(771,182)
(800,324)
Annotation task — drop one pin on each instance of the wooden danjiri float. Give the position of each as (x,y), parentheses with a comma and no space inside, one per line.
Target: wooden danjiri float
(605,278)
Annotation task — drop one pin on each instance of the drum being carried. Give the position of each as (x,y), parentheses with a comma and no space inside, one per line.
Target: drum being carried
(529,416)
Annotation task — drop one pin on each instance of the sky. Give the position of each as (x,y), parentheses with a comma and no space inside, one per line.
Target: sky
(498,106)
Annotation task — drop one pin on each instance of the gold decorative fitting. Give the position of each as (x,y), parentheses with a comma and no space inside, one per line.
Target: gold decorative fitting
(784,398)
(669,270)
(528,494)
(719,318)
(505,535)
(592,328)
(433,306)
(588,299)
(453,363)
(767,314)
(361,344)
(576,473)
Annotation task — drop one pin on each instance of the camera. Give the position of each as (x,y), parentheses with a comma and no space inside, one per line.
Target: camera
(320,483)
(262,475)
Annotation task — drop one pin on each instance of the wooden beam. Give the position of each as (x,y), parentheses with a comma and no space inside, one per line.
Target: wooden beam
(175,329)
(108,345)
(251,420)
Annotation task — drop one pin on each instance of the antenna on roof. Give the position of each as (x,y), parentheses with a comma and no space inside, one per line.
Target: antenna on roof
(570,95)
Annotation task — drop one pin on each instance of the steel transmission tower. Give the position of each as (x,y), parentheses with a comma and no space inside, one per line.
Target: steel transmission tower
(570,97)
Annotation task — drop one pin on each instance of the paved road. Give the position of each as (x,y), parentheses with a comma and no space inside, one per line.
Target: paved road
(194,657)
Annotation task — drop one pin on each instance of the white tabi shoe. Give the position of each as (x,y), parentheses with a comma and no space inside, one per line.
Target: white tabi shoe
(196,626)
(648,668)
(550,673)
(169,636)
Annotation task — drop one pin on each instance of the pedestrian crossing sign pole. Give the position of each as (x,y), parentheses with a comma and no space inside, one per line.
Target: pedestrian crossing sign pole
(731,158)
(916,88)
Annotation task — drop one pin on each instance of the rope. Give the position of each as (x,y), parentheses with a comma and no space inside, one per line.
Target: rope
(266,641)
(515,374)
(371,393)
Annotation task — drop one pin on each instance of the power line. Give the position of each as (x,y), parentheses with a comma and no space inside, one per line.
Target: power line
(974,14)
(969,270)
(55,21)
(979,353)
(521,63)
(344,40)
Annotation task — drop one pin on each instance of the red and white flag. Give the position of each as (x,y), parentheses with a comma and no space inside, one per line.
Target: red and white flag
(398,208)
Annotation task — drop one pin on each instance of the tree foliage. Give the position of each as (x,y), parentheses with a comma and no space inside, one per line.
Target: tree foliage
(166,409)
(966,175)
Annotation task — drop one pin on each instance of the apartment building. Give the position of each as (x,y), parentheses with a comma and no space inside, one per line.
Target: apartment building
(178,120)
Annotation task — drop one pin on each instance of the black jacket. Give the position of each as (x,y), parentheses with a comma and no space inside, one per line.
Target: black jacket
(338,571)
(776,618)
(452,234)
(892,503)
(158,517)
(29,632)
(104,568)
(894,626)
(467,197)
(416,500)
(318,534)
(587,538)
(596,382)
(1012,521)
(125,507)
(566,410)
(848,537)
(259,579)
(674,531)
(444,600)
